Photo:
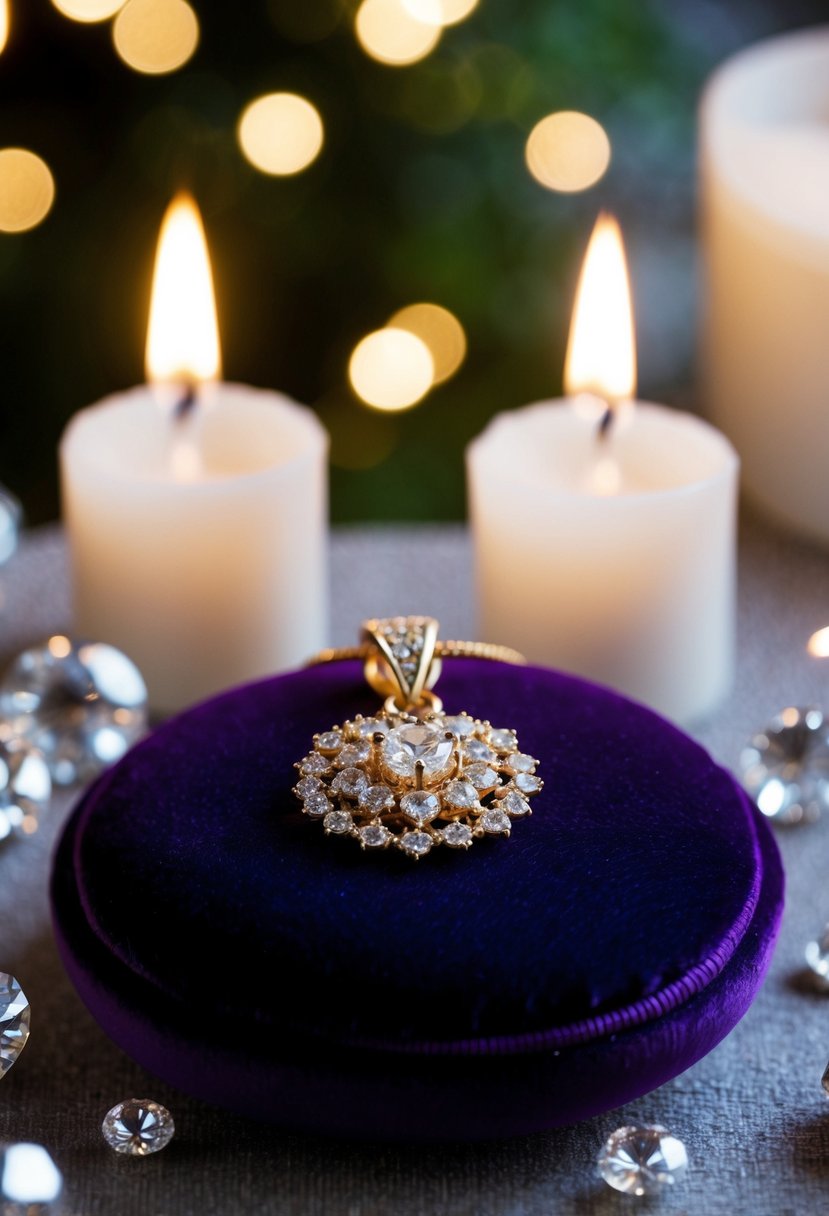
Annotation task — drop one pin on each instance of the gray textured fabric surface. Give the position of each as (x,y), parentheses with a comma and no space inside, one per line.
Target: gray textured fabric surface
(753,1114)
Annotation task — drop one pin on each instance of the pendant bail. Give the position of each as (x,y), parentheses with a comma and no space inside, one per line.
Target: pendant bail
(401,663)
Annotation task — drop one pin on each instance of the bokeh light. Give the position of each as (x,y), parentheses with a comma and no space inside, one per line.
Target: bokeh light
(280,133)
(4,24)
(440,330)
(27,190)
(389,33)
(440,12)
(818,645)
(391,369)
(88,10)
(155,36)
(568,151)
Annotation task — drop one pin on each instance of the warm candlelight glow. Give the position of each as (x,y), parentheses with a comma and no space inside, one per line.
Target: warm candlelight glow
(440,12)
(388,32)
(568,151)
(391,369)
(818,645)
(183,333)
(4,23)
(88,11)
(155,36)
(27,190)
(280,133)
(601,352)
(440,330)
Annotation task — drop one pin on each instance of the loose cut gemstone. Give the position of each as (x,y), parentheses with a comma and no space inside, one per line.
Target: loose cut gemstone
(495,821)
(375,799)
(420,806)
(14,1021)
(460,795)
(25,787)
(338,822)
(642,1160)
(418,844)
(785,768)
(30,1182)
(817,960)
(350,781)
(418,743)
(138,1127)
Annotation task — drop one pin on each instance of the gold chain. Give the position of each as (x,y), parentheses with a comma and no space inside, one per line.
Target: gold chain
(443,650)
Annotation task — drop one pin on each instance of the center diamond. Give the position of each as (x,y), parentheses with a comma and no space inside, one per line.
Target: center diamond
(418,742)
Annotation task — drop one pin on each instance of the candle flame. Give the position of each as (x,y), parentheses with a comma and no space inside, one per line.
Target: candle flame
(183,333)
(4,23)
(601,352)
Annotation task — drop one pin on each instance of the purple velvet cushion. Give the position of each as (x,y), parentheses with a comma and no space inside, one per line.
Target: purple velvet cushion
(612,940)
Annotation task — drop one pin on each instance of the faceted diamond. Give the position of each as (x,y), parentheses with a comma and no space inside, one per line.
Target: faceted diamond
(817,960)
(401,651)
(476,749)
(460,724)
(138,1127)
(418,743)
(520,762)
(527,783)
(457,836)
(460,795)
(11,514)
(642,1160)
(372,726)
(330,741)
(308,785)
(81,705)
(315,764)
(420,806)
(375,836)
(481,776)
(514,804)
(353,754)
(14,1021)
(25,787)
(495,821)
(338,822)
(350,781)
(316,805)
(503,740)
(785,768)
(30,1182)
(417,844)
(375,799)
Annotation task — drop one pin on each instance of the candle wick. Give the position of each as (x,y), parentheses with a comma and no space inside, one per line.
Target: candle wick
(186,403)
(606,423)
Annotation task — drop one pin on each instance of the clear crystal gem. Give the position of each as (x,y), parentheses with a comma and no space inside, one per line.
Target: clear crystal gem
(481,776)
(25,787)
(372,726)
(315,764)
(785,768)
(514,804)
(817,960)
(417,844)
(330,741)
(460,795)
(520,762)
(316,805)
(375,799)
(14,1021)
(138,1127)
(642,1160)
(308,785)
(460,724)
(375,836)
(401,651)
(350,781)
(420,806)
(11,514)
(495,821)
(527,783)
(503,740)
(416,743)
(353,754)
(338,822)
(30,1182)
(81,704)
(457,835)
(476,749)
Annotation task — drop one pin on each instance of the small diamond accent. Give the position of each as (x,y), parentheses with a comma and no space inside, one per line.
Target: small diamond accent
(461,724)
(460,795)
(330,741)
(14,1021)
(316,805)
(138,1127)
(375,799)
(642,1160)
(520,762)
(515,805)
(307,786)
(350,781)
(338,822)
(457,836)
(527,783)
(375,836)
(503,740)
(416,843)
(476,749)
(481,776)
(372,726)
(420,806)
(353,754)
(495,822)
(315,765)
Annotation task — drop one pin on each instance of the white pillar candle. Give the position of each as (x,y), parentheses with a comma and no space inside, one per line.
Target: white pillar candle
(610,557)
(198,545)
(765,190)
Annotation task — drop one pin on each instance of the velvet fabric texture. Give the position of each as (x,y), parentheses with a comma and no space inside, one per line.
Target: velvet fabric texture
(232,948)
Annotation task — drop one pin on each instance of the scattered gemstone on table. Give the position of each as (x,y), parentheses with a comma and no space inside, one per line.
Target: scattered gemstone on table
(14,1021)
(25,788)
(785,768)
(30,1182)
(642,1160)
(817,960)
(138,1127)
